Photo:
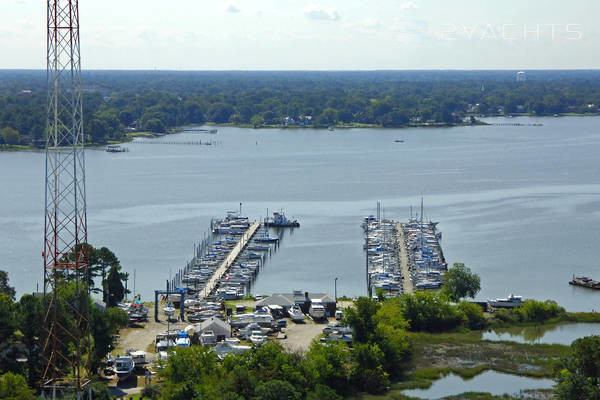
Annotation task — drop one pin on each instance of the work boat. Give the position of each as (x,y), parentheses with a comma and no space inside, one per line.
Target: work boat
(511,302)
(280,221)
(296,314)
(169,310)
(123,367)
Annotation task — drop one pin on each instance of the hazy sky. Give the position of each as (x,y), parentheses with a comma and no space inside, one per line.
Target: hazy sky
(324,34)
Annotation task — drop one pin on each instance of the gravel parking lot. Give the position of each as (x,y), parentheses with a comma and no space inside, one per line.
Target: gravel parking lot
(300,336)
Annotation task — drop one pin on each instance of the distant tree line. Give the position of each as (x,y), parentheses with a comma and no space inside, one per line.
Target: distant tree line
(159,101)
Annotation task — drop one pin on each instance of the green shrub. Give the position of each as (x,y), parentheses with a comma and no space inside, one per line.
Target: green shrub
(14,387)
(323,392)
(531,311)
(276,390)
(473,314)
(429,312)
(151,392)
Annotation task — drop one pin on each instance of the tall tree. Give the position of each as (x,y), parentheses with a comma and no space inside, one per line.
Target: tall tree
(115,291)
(5,287)
(7,318)
(460,282)
(10,135)
(361,317)
(30,316)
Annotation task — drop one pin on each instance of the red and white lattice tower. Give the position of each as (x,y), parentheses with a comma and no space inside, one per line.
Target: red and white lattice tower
(66,367)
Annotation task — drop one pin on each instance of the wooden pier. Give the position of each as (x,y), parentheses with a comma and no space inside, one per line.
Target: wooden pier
(403,259)
(228,261)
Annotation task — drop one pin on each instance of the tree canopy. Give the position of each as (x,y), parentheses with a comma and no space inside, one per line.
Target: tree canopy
(116,102)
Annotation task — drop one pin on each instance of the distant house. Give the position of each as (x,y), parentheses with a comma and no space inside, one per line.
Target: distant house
(276,300)
(301,299)
(220,328)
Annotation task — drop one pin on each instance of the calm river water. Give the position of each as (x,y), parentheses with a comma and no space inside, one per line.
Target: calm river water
(519,205)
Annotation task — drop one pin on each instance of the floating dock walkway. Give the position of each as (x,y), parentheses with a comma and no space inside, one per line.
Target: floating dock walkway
(403,258)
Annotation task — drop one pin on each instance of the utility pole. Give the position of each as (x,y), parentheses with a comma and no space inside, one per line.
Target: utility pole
(335,288)
(65,230)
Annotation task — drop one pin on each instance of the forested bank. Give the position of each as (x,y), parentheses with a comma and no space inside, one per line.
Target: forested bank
(118,102)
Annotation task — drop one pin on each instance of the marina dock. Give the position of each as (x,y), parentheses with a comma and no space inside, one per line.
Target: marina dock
(226,262)
(402,256)
(229,260)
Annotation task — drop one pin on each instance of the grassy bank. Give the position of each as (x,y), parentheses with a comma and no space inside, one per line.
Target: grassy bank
(466,355)
(17,147)
(563,318)
(466,352)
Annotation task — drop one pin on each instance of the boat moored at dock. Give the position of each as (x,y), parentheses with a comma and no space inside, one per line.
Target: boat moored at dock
(279,220)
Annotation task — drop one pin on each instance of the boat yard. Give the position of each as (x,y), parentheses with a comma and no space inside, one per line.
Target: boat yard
(208,303)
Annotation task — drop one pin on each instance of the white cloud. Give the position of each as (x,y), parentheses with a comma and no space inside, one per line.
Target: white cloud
(314,11)
(232,8)
(371,23)
(411,5)
(366,26)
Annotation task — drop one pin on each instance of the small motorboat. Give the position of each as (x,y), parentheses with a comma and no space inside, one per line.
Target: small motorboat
(169,310)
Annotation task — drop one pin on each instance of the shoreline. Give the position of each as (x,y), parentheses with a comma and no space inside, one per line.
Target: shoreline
(130,136)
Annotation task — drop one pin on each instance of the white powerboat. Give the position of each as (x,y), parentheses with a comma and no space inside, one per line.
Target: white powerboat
(124,367)
(169,310)
(257,338)
(511,302)
(296,314)
(317,311)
